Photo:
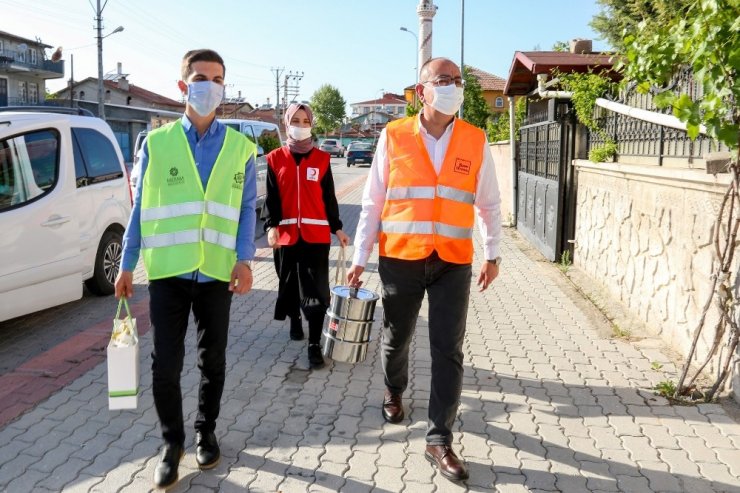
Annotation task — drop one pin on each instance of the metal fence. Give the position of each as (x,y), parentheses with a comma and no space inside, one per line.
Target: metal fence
(638,138)
(539,149)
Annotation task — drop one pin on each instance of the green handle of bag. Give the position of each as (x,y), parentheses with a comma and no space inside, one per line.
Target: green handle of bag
(123,301)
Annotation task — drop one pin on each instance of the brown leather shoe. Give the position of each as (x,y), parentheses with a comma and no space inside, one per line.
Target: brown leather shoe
(447,462)
(392,407)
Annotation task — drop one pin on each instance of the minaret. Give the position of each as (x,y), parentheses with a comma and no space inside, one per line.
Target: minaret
(425,10)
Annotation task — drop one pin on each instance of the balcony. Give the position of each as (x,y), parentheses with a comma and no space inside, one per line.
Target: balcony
(15,62)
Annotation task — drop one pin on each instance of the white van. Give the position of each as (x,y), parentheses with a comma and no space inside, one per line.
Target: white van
(267,137)
(64,205)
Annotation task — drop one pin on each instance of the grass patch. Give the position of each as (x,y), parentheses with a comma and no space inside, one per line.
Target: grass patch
(565,262)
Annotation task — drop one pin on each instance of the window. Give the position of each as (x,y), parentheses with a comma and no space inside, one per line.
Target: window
(22,56)
(33,93)
(82,94)
(95,158)
(29,167)
(22,91)
(124,142)
(499,102)
(2,47)
(365,110)
(33,56)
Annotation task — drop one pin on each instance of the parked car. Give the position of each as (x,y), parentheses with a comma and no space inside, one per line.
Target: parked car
(346,149)
(64,204)
(267,137)
(332,146)
(359,152)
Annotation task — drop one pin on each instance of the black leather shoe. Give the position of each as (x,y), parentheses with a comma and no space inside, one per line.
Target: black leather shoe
(315,358)
(165,474)
(392,407)
(207,453)
(296,329)
(447,462)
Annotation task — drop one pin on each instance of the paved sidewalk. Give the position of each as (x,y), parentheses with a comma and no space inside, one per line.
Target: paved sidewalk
(548,404)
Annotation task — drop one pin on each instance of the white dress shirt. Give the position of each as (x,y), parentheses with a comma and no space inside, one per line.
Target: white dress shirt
(487,197)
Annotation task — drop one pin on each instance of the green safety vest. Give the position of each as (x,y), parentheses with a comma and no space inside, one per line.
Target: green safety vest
(183,228)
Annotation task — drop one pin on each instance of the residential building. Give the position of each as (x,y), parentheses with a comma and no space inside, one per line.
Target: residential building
(392,104)
(24,69)
(492,87)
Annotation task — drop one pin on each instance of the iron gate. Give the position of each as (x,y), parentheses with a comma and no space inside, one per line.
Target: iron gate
(545,212)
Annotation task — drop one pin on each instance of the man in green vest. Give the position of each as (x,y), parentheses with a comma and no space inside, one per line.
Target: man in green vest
(193,224)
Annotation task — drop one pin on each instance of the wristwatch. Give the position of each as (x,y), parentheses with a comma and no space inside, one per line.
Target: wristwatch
(496,261)
(248,263)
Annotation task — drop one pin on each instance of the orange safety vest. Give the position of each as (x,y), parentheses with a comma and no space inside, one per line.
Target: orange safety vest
(301,196)
(424,212)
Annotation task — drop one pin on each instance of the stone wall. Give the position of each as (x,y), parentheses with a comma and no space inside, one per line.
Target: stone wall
(501,153)
(645,233)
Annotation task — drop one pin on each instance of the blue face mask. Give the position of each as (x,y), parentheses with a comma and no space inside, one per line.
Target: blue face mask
(204,96)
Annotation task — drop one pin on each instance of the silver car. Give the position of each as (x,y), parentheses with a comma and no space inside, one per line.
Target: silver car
(332,146)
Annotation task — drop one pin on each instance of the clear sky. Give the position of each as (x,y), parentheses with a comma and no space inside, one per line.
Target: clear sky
(355,45)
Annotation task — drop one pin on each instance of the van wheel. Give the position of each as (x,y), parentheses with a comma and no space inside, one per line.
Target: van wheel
(107,262)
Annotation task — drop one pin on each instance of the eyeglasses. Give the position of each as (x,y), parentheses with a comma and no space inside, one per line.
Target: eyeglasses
(446,81)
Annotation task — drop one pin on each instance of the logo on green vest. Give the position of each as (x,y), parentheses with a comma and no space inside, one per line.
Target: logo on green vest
(174,179)
(238,181)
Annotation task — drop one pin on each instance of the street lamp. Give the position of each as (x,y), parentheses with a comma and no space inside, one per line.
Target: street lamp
(99,19)
(416,58)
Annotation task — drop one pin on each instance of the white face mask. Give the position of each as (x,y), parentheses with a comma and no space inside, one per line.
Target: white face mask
(447,99)
(204,96)
(299,133)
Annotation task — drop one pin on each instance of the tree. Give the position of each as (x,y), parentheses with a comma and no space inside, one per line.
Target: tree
(498,126)
(622,16)
(475,108)
(703,39)
(561,46)
(328,108)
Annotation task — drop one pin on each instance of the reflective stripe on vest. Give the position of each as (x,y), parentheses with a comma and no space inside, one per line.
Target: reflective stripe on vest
(399,193)
(189,236)
(292,220)
(183,227)
(426,228)
(191,208)
(426,211)
(319,222)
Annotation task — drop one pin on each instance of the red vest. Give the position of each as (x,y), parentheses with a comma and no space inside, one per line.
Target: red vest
(301,196)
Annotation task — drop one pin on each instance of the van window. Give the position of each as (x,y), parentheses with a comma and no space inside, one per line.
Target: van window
(29,167)
(268,137)
(99,161)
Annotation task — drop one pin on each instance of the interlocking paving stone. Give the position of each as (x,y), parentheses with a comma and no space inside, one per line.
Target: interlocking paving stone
(548,404)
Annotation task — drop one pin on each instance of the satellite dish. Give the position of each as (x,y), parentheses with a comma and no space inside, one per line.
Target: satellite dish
(57,55)
(22,47)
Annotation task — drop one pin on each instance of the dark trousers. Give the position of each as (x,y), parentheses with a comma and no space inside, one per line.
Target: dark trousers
(303,268)
(448,286)
(170,303)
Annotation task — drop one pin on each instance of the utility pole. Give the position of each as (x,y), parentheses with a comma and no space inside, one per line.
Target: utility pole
(101,102)
(278,71)
(462,45)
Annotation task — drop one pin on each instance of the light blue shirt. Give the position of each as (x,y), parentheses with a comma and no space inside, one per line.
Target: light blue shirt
(205,150)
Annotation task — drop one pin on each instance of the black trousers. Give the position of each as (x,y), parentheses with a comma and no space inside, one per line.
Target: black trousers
(170,303)
(303,268)
(448,286)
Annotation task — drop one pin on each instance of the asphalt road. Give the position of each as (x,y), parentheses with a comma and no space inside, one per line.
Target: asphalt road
(25,337)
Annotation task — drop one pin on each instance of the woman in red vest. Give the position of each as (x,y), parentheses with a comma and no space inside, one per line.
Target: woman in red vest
(301,214)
